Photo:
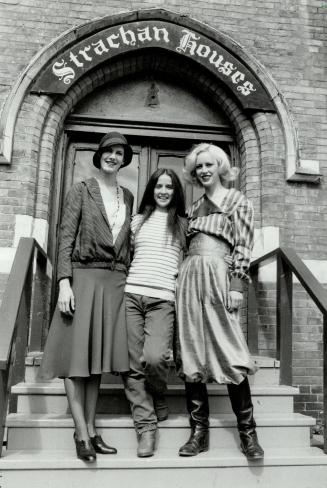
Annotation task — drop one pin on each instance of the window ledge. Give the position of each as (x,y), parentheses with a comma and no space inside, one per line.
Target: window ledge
(307,172)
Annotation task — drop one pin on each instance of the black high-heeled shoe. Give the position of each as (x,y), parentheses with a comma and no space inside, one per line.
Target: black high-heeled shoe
(101,447)
(85,450)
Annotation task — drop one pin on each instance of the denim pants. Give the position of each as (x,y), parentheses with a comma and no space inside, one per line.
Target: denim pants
(150,326)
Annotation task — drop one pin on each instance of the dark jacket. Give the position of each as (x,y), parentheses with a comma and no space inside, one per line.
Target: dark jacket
(85,235)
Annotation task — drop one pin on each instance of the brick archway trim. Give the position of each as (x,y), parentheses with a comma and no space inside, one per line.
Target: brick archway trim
(69,38)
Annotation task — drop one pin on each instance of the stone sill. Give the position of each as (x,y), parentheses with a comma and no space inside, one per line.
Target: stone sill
(308,171)
(305,175)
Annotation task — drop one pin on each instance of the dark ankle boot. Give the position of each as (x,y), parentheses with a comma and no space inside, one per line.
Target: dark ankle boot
(101,447)
(85,450)
(198,442)
(198,408)
(240,397)
(250,445)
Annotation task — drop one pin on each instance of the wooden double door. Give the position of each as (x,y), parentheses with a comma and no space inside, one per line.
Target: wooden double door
(148,155)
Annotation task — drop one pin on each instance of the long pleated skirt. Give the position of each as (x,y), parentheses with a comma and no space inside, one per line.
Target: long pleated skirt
(94,340)
(210,344)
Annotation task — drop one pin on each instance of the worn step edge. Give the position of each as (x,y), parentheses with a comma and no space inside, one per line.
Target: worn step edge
(34,358)
(163,458)
(57,388)
(174,421)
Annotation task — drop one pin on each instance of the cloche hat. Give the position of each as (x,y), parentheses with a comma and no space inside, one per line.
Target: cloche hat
(111,139)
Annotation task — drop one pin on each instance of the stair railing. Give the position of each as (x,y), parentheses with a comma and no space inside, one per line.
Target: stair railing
(288,263)
(21,305)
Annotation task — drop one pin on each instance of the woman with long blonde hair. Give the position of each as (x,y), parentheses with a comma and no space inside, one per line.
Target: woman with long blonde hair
(211,344)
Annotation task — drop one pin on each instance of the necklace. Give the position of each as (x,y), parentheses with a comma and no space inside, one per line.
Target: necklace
(115,215)
(108,205)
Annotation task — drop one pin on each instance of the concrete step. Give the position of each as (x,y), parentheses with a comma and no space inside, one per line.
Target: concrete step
(53,431)
(227,467)
(268,374)
(50,398)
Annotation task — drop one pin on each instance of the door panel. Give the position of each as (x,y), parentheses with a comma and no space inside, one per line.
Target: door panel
(174,159)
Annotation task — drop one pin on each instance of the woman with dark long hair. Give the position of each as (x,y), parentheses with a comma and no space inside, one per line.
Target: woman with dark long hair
(158,237)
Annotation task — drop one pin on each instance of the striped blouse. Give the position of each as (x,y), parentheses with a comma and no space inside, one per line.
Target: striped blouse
(154,267)
(233,221)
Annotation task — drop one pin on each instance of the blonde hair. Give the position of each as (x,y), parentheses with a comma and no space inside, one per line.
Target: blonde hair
(226,173)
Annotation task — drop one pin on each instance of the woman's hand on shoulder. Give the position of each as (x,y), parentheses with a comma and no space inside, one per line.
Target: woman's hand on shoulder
(235,300)
(66,299)
(228,260)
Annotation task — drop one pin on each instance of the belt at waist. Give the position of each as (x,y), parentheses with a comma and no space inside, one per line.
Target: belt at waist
(205,245)
(213,253)
(112,265)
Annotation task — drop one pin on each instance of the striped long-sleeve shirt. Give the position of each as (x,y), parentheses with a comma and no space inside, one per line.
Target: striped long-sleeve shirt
(154,267)
(233,221)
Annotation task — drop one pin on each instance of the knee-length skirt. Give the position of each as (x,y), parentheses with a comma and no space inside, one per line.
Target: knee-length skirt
(210,344)
(94,340)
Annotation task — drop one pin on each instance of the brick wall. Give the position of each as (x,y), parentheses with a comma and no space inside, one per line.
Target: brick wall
(307,354)
(266,294)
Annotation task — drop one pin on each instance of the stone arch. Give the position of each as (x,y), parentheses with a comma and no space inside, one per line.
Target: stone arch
(69,38)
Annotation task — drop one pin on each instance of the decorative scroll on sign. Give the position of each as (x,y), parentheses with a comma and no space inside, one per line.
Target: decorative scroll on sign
(85,55)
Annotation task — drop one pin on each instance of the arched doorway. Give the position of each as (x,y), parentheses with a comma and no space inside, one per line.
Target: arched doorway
(161,128)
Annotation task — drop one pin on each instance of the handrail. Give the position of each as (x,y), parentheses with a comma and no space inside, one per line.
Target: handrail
(289,262)
(15,312)
(316,291)
(13,294)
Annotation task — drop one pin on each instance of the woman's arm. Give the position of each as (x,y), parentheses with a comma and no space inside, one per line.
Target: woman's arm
(68,232)
(244,230)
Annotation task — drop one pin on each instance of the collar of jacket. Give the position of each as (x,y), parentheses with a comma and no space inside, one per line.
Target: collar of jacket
(204,206)
(93,188)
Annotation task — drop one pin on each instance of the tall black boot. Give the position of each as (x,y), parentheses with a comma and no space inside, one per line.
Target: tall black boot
(240,397)
(198,408)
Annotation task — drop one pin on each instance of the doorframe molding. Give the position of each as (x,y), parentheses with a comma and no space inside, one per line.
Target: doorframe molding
(91,124)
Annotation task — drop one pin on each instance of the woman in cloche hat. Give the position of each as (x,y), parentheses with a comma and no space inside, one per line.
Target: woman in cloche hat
(87,336)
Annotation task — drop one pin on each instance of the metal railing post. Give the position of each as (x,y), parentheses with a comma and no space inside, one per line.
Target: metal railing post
(284,320)
(253,326)
(325,379)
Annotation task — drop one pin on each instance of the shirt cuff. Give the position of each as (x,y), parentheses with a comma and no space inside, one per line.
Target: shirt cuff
(62,276)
